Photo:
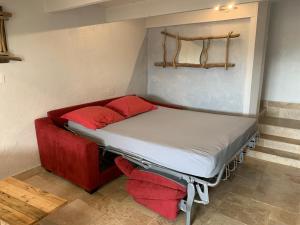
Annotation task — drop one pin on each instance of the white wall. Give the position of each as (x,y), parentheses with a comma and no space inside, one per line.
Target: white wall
(282,81)
(133,9)
(214,89)
(70,58)
(236,90)
(60,5)
(65,63)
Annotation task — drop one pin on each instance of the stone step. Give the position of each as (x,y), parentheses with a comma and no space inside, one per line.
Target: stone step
(282,110)
(279,143)
(286,113)
(275,156)
(280,127)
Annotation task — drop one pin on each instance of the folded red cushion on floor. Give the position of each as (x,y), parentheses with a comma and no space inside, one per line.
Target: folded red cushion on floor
(148,190)
(153,190)
(155,178)
(166,208)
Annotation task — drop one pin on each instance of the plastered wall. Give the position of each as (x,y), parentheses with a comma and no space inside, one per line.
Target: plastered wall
(237,90)
(282,75)
(72,57)
(214,89)
(68,59)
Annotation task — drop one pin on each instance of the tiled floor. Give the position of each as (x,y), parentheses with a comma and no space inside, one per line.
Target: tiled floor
(260,193)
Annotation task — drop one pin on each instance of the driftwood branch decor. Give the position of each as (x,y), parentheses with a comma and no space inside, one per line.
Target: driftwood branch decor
(203,59)
(5,55)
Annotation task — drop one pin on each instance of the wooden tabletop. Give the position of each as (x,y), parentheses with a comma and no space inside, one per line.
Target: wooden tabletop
(23,204)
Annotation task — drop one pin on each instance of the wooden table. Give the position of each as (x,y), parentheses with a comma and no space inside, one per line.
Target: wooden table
(22,204)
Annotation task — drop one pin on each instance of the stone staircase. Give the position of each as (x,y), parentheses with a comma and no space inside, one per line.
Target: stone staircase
(279,134)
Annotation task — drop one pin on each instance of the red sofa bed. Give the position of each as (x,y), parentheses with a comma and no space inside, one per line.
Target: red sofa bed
(71,156)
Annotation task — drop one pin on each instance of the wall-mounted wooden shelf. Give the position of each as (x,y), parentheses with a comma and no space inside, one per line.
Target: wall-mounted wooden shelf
(5,15)
(7,58)
(203,59)
(194,65)
(5,55)
(231,35)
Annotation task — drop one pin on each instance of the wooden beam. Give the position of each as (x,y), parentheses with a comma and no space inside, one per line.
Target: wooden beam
(192,65)
(7,58)
(61,5)
(5,14)
(199,38)
(4,18)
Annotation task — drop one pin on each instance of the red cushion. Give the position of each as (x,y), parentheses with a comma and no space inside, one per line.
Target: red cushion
(130,106)
(156,178)
(124,165)
(148,190)
(93,117)
(55,115)
(166,208)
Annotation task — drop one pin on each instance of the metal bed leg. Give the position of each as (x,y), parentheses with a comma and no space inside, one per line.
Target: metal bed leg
(191,192)
(241,157)
(252,143)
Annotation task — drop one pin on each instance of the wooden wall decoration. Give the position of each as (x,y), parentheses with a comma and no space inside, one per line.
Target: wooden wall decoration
(203,59)
(5,55)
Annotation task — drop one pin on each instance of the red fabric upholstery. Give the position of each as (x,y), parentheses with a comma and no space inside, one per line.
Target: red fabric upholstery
(155,178)
(152,190)
(124,165)
(108,175)
(130,106)
(166,208)
(55,115)
(70,156)
(148,190)
(93,117)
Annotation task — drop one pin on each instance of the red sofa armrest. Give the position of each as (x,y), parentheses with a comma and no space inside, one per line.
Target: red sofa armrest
(68,155)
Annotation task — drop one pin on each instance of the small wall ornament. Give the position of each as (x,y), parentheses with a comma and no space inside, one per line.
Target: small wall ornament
(5,55)
(203,58)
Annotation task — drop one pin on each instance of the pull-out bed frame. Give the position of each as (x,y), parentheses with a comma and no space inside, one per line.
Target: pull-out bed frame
(195,186)
(201,150)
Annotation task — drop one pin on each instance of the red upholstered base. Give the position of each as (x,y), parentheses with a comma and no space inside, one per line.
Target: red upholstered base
(152,190)
(71,156)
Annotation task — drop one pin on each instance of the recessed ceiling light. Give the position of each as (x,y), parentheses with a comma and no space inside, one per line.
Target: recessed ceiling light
(217,8)
(230,6)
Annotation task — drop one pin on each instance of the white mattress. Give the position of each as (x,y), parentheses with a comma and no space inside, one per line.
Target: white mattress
(194,143)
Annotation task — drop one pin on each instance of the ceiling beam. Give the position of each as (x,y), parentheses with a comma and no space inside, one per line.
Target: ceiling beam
(61,5)
(119,10)
(149,8)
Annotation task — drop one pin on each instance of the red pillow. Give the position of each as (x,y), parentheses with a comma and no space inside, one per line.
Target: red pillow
(130,106)
(93,117)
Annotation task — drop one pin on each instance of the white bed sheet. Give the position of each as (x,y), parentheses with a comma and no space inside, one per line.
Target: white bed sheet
(190,142)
